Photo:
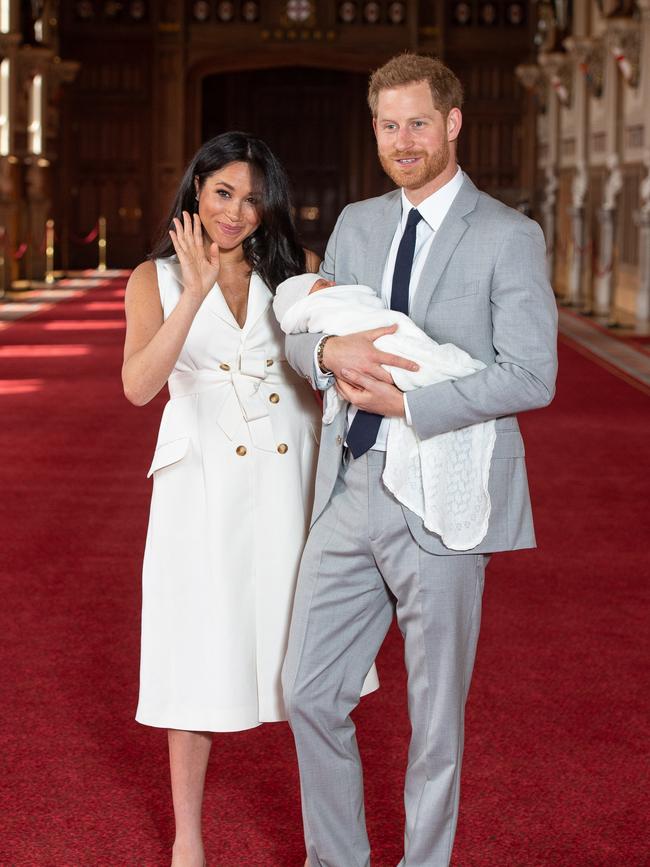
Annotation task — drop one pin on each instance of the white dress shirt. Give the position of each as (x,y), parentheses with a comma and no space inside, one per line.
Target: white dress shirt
(433,210)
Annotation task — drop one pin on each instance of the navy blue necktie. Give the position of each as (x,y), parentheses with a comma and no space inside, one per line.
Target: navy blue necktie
(365,425)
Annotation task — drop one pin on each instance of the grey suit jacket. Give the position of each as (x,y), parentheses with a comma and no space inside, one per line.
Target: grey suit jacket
(483,287)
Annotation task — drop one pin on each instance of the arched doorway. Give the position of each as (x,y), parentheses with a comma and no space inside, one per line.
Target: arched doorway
(318,124)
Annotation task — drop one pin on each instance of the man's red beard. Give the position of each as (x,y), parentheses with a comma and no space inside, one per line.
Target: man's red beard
(430,166)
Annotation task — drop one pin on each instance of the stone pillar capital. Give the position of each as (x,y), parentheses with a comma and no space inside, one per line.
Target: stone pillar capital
(623,37)
(558,70)
(588,52)
(529,74)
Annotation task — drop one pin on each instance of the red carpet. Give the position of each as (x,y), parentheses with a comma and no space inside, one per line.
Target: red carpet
(557,741)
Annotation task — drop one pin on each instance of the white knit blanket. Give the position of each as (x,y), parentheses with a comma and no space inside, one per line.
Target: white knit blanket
(443,479)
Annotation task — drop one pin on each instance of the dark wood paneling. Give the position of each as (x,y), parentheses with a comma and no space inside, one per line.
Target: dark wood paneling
(106,155)
(317,123)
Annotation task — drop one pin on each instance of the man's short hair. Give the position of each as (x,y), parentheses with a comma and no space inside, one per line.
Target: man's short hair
(409,68)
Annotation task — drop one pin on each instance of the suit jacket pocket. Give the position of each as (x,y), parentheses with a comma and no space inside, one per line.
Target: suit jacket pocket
(509,444)
(451,291)
(169,453)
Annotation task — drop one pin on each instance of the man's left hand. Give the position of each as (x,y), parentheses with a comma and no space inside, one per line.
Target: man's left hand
(370,394)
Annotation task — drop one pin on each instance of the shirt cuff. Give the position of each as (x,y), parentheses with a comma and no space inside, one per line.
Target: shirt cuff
(407,413)
(322,381)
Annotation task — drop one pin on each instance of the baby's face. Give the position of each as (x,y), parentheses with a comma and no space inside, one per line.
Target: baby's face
(321,283)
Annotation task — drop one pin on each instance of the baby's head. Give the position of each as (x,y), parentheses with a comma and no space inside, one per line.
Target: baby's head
(321,283)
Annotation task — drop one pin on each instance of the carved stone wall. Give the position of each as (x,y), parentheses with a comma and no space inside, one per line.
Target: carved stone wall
(592,73)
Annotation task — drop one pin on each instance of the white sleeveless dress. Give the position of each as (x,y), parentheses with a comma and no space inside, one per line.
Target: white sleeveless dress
(234,471)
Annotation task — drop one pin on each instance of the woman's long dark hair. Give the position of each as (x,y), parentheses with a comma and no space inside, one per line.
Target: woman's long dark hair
(273,249)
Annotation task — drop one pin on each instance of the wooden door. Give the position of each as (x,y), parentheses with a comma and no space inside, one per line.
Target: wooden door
(317,123)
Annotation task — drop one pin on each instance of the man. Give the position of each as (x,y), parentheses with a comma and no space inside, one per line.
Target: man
(469,271)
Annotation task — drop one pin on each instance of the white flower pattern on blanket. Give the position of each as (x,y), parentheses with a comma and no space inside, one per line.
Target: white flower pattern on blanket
(443,479)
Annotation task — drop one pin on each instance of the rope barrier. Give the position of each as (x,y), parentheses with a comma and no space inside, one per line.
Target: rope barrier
(46,246)
(85,239)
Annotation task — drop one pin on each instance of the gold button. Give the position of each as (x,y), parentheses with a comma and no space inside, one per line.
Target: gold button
(339,440)
(224,366)
(241,451)
(274,398)
(269,362)
(283,448)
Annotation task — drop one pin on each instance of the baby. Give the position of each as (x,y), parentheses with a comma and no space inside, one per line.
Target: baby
(443,479)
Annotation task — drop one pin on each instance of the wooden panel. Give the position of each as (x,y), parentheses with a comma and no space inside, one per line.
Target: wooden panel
(106,156)
(317,123)
(491,139)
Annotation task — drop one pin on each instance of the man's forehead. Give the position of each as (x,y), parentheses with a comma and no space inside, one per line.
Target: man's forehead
(405,97)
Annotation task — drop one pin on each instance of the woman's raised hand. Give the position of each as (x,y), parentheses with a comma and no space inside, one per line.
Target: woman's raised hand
(199,269)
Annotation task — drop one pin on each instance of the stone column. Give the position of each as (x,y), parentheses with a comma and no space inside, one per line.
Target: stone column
(643,214)
(578,231)
(604,286)
(642,219)
(10,180)
(557,73)
(579,47)
(548,216)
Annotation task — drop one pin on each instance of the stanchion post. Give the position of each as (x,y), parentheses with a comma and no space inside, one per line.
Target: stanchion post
(102,244)
(49,251)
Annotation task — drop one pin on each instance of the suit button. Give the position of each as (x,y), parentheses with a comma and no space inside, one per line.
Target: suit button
(283,448)
(269,362)
(224,366)
(274,398)
(241,451)
(339,440)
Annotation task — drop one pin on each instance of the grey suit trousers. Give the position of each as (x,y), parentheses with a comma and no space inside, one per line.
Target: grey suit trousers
(360,565)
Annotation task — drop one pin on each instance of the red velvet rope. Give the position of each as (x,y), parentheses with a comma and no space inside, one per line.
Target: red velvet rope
(86,239)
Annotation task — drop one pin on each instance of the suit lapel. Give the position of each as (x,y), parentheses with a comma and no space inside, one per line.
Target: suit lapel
(446,239)
(382,231)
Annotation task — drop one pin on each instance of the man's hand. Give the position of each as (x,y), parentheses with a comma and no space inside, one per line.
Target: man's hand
(370,394)
(357,352)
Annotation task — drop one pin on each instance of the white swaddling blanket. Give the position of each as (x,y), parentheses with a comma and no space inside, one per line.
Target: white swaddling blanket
(443,479)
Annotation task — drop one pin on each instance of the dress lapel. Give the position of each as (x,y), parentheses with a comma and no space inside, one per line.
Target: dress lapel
(214,300)
(446,239)
(259,298)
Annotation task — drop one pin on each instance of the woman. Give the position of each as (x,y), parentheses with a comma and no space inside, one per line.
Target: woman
(233,467)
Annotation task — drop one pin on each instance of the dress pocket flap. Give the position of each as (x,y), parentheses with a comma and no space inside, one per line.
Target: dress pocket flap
(509,444)
(168,453)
